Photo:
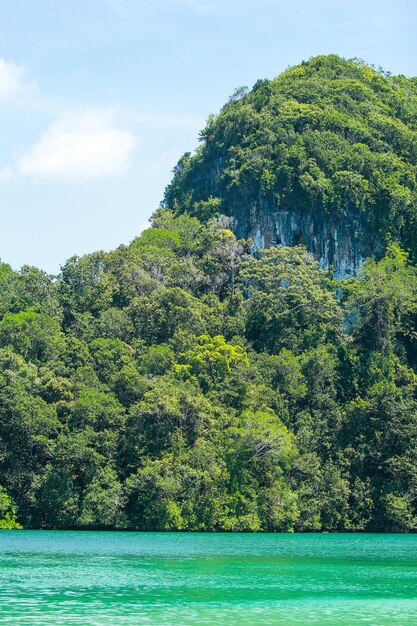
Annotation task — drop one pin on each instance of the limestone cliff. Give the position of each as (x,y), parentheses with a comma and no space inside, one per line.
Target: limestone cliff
(338,242)
(325,155)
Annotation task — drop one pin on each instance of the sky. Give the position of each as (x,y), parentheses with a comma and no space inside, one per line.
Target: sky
(100,98)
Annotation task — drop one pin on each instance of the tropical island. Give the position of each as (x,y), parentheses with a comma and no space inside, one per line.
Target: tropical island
(249,362)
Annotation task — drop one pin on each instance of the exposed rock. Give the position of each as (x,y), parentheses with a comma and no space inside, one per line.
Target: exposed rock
(340,243)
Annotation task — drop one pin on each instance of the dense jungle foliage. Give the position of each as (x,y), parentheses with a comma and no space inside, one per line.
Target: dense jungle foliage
(329,135)
(181,383)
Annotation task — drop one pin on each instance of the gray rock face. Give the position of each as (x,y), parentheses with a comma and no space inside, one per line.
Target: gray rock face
(338,242)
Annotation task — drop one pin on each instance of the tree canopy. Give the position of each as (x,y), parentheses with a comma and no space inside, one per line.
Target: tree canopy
(209,390)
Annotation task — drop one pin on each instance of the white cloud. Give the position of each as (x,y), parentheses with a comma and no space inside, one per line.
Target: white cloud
(13,79)
(79,147)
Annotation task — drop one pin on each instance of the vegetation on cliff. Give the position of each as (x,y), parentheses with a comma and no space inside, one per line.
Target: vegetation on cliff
(331,136)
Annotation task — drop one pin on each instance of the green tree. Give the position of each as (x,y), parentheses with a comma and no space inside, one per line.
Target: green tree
(292,303)
(7,512)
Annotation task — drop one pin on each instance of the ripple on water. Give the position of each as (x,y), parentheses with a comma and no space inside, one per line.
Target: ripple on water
(70,578)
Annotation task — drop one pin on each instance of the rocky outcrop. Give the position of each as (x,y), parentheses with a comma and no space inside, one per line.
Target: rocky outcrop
(338,242)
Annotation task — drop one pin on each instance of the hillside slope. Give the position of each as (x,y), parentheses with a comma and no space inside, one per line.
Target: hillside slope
(325,155)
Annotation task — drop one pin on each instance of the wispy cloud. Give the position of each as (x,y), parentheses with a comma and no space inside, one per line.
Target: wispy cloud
(77,148)
(14,79)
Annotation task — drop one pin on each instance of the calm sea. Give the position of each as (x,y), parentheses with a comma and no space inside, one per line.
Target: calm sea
(100,579)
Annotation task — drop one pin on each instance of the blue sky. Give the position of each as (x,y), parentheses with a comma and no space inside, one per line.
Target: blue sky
(99,99)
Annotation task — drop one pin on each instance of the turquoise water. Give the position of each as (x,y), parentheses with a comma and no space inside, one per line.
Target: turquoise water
(124,579)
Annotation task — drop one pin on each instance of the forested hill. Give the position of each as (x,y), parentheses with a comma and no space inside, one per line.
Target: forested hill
(180,383)
(325,155)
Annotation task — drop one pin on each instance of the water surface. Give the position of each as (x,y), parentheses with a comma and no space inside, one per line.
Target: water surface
(126,579)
